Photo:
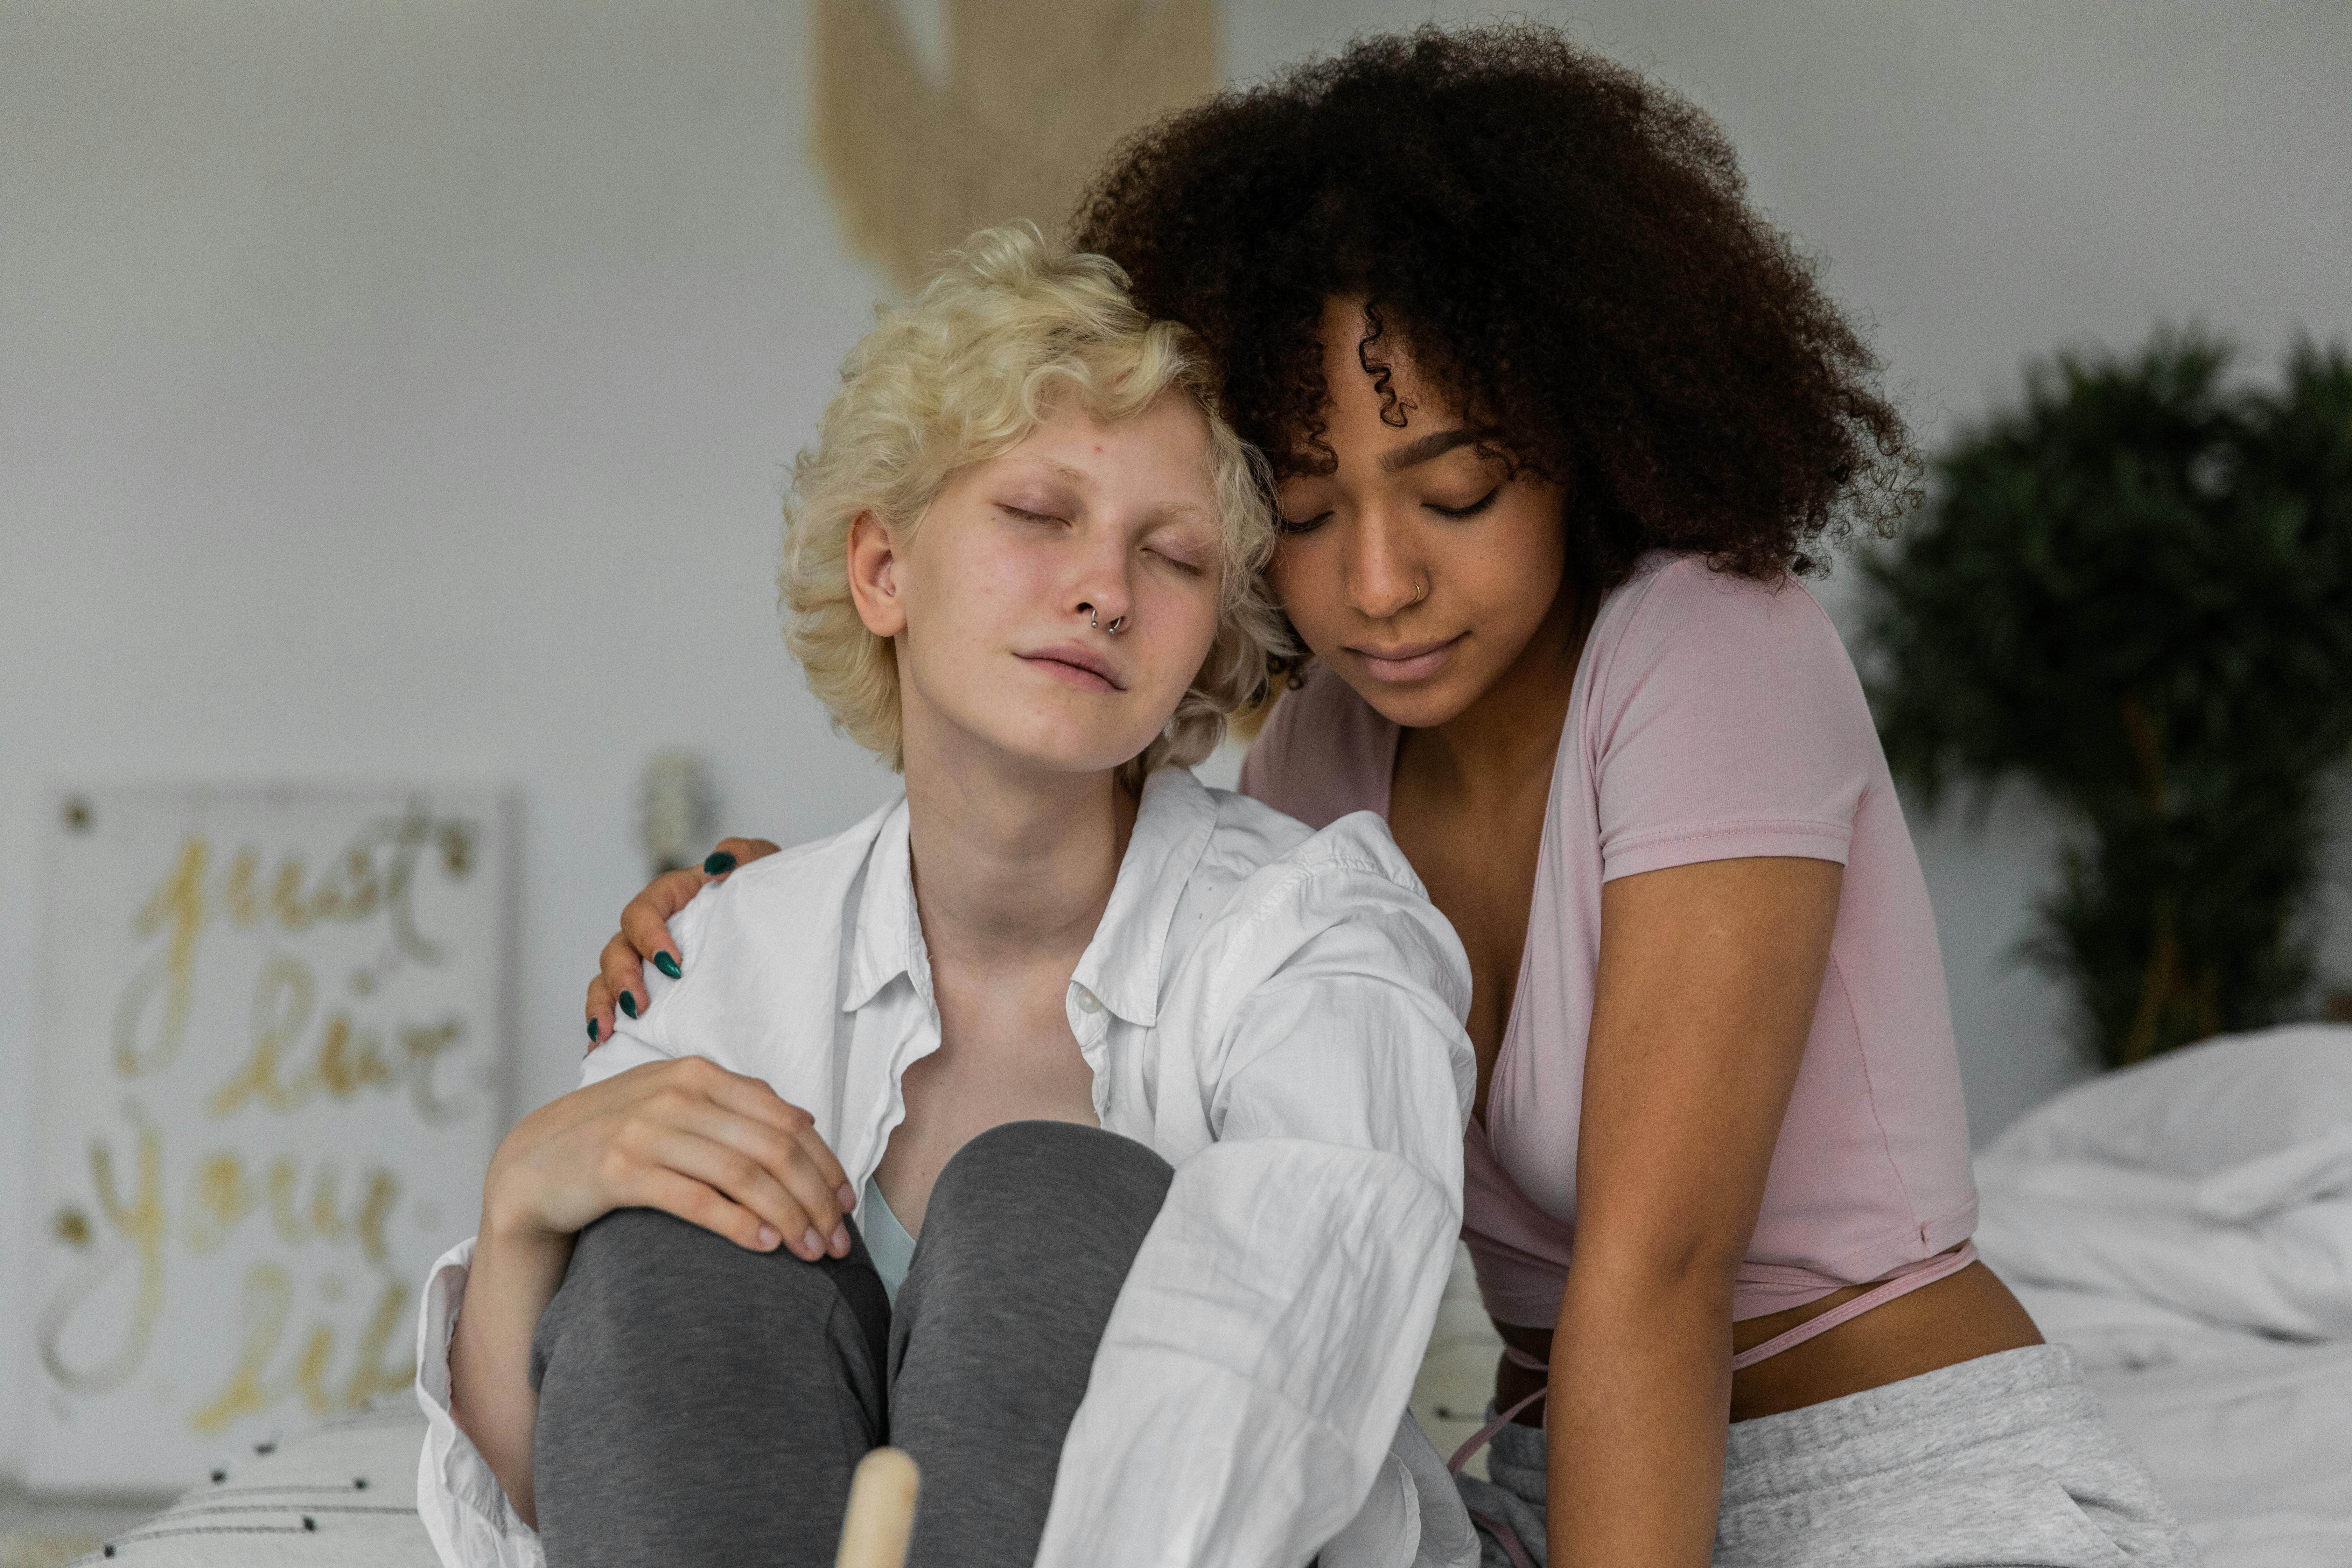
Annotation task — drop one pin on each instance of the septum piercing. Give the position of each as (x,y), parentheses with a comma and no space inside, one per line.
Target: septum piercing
(1093,621)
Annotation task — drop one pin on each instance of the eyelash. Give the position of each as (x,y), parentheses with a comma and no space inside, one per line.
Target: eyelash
(1308,525)
(1473,509)
(1026,515)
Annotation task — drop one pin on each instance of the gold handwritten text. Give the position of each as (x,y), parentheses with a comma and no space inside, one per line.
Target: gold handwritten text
(344,1059)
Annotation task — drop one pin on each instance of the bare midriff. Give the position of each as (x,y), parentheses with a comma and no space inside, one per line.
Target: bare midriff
(1959,1318)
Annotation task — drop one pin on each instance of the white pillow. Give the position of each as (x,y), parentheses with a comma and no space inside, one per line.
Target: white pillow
(2202,1109)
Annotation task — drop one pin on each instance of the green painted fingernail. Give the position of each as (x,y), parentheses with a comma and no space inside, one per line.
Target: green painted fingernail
(666,964)
(719,864)
(592,1031)
(628,1004)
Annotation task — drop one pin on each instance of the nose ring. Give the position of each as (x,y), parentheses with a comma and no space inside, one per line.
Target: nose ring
(1093,621)
(1419,589)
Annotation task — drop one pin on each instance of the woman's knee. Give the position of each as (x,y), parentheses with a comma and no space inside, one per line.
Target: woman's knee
(1028,1236)
(1050,1175)
(667,1355)
(1035,1212)
(645,1283)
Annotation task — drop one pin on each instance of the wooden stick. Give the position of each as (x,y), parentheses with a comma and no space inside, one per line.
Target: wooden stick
(881,1512)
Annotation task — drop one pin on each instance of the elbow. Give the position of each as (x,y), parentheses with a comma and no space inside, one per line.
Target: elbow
(1654,1264)
(507,1465)
(516,1484)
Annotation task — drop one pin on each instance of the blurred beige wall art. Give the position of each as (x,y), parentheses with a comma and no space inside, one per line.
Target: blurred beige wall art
(272,1060)
(1032,93)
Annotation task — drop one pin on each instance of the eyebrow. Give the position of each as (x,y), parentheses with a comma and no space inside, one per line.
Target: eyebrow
(1414,453)
(1077,477)
(1164,511)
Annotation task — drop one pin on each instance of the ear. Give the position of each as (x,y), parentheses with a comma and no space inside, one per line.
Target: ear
(874,576)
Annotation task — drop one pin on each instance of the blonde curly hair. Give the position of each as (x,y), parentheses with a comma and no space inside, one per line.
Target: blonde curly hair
(1006,334)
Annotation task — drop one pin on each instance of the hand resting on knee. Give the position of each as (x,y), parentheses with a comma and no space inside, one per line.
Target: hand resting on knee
(714,1148)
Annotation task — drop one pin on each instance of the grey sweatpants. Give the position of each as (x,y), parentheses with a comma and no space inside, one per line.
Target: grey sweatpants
(700,1403)
(2001,1460)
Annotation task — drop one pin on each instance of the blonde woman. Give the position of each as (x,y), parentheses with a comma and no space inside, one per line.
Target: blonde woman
(1093,1135)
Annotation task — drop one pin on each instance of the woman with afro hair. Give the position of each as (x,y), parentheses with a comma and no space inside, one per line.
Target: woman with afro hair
(1557,423)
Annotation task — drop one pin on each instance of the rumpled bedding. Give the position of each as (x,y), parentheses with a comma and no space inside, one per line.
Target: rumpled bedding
(2186,1225)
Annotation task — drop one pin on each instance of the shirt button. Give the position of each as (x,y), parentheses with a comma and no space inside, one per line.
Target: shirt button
(1086,1003)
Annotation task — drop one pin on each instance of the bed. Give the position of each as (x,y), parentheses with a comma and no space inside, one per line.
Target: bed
(2186,1225)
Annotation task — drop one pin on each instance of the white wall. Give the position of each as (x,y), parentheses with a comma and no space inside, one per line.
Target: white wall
(405,390)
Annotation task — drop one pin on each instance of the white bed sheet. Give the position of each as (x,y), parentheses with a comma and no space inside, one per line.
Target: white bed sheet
(2250,1436)
(2186,1227)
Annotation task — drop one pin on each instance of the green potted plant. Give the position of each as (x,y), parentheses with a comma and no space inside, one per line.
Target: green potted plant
(2134,590)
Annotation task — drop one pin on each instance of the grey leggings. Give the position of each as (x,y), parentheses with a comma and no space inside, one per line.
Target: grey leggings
(700,1403)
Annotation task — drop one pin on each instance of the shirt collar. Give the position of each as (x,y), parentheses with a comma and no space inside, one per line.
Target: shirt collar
(1121,966)
(889,939)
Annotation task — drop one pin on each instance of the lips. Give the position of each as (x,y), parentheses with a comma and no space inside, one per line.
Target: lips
(1407,661)
(1078,666)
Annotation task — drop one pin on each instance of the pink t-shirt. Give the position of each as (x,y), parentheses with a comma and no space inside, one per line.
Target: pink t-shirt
(1712,717)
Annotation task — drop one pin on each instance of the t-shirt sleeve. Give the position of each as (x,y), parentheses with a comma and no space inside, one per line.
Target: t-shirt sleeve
(1728,721)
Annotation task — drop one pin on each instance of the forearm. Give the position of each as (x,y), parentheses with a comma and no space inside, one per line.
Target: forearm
(514,1276)
(1639,1405)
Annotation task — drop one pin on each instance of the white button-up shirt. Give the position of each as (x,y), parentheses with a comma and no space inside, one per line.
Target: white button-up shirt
(1278,1012)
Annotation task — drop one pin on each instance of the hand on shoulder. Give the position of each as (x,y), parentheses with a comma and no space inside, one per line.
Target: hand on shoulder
(643,938)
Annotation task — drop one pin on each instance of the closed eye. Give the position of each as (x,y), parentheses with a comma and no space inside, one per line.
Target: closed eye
(1024,514)
(1473,509)
(1303,525)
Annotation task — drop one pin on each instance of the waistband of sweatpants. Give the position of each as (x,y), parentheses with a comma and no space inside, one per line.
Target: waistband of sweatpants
(1938,1414)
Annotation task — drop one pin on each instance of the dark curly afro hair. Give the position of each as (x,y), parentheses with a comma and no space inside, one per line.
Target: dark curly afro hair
(1564,251)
